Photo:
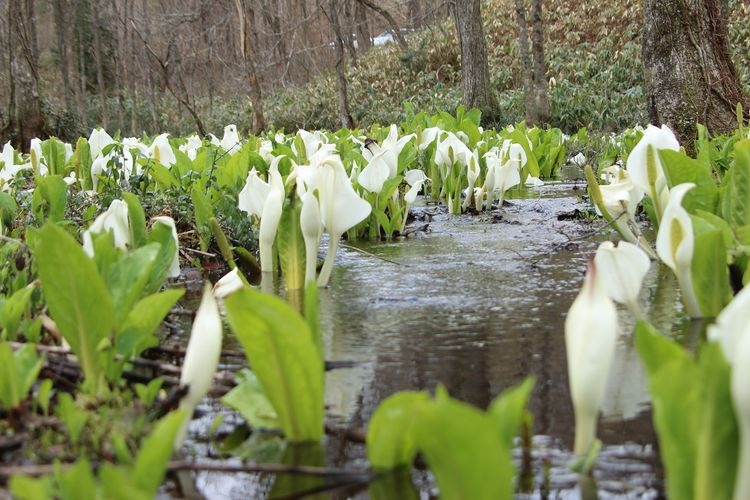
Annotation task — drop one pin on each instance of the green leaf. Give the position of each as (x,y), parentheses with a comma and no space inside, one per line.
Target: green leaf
(13,308)
(127,278)
(679,168)
(76,482)
(8,209)
(676,399)
(203,213)
(251,401)
(136,333)
(162,234)
(82,162)
(709,268)
(164,177)
(391,440)
(312,316)
(156,450)
(137,219)
(736,202)
(76,295)
(117,484)
(50,198)
(73,417)
(280,348)
(291,246)
(18,371)
(718,436)
(508,410)
(29,488)
(463,449)
(54,155)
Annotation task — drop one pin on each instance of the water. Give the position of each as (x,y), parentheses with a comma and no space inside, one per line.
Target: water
(476,304)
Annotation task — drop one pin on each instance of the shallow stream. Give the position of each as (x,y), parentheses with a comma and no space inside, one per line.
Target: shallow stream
(476,303)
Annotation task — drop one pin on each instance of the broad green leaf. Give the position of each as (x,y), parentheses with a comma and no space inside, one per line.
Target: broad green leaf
(251,401)
(679,168)
(76,482)
(709,268)
(50,198)
(164,177)
(8,209)
(162,234)
(295,485)
(54,155)
(76,295)
(676,402)
(73,417)
(391,439)
(280,348)
(137,219)
(532,166)
(291,246)
(718,436)
(117,484)
(156,450)
(12,309)
(127,277)
(82,162)
(18,371)
(29,488)
(203,213)
(137,332)
(736,202)
(463,449)
(508,409)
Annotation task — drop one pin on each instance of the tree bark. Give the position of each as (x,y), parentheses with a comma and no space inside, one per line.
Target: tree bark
(99,61)
(689,74)
(388,18)
(61,32)
(364,41)
(25,119)
(246,16)
(540,111)
(523,53)
(474,69)
(345,116)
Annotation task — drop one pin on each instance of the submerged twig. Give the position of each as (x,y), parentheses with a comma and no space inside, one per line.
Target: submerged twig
(373,255)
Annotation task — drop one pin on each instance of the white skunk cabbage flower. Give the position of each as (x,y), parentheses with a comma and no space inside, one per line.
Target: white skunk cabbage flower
(98,140)
(191,147)
(590,335)
(452,150)
(374,175)
(732,331)
(645,168)
(675,243)
(161,151)
(340,208)
(415,175)
(428,136)
(174,267)
(201,358)
(114,219)
(228,284)
(472,174)
(230,142)
(621,270)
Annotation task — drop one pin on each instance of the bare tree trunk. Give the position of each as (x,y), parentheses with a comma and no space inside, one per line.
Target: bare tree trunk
(79,57)
(345,115)
(474,69)
(61,31)
(246,16)
(415,13)
(25,119)
(130,68)
(523,52)
(540,113)
(364,41)
(388,18)
(689,74)
(99,61)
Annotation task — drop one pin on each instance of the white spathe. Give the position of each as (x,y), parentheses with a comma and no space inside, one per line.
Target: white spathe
(201,357)
(590,336)
(644,165)
(174,267)
(161,151)
(230,142)
(312,229)
(374,175)
(114,219)
(98,140)
(228,284)
(621,270)
(675,243)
